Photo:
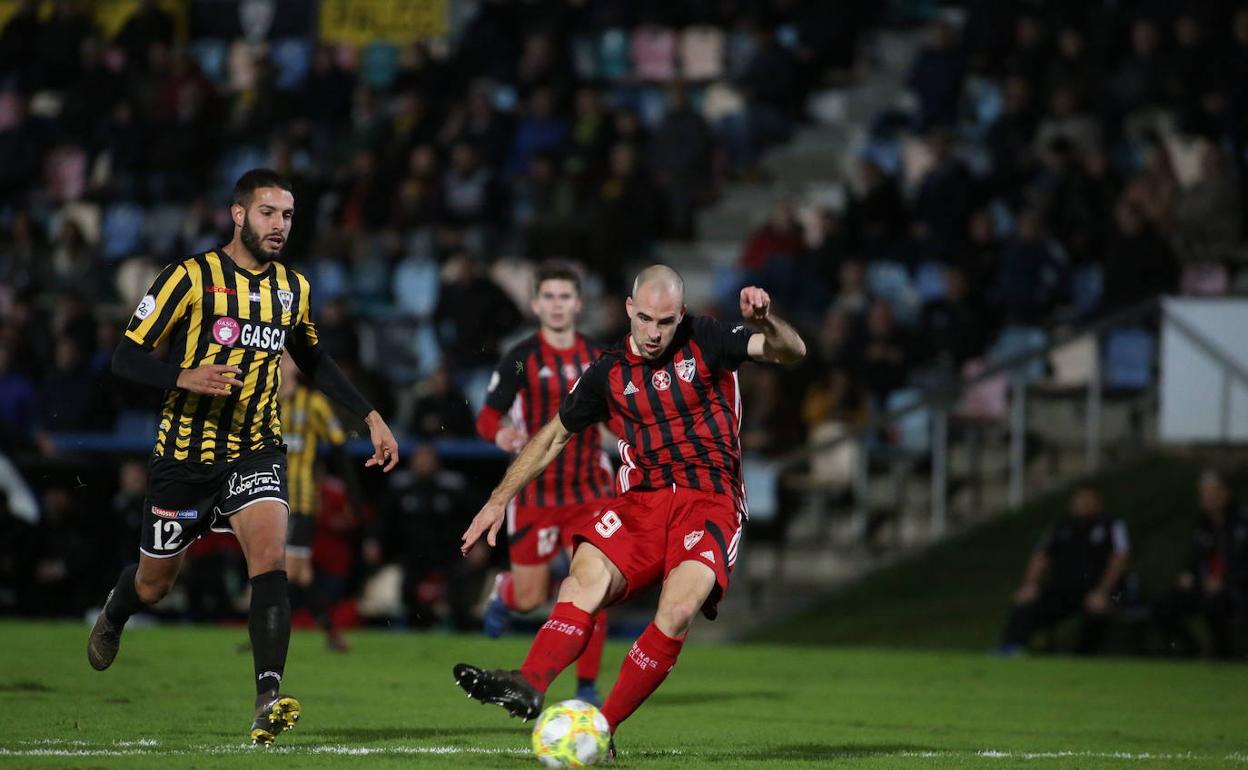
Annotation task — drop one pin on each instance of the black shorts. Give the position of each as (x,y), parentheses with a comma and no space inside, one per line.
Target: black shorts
(186,499)
(300,529)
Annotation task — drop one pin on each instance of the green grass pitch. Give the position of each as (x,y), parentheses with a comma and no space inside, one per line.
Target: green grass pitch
(180,698)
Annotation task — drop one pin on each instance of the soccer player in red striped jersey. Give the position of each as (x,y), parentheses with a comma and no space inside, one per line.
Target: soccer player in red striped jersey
(524,394)
(671,390)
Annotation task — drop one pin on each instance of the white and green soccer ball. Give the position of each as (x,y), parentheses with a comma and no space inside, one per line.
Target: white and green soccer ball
(571,733)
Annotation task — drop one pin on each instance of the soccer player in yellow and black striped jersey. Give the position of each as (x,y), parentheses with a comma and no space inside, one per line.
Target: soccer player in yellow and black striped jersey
(308,421)
(219,462)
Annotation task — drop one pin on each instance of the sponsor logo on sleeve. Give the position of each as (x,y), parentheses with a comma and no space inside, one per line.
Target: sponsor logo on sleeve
(708,555)
(145,308)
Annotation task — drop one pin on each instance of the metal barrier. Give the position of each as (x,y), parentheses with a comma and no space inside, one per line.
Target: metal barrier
(1016,424)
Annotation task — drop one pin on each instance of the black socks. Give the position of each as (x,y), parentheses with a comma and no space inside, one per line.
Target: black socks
(314,601)
(125,600)
(268,624)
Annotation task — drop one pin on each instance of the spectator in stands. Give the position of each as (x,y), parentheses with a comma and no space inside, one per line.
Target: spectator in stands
(778,240)
(1214,580)
(19,43)
(57,54)
(148,25)
(441,411)
(1077,568)
(955,325)
(1030,279)
(68,391)
(886,352)
(681,154)
(876,212)
(1138,81)
(1208,213)
(18,403)
(473,315)
(626,215)
(944,197)
(471,195)
(852,297)
(936,76)
(1009,140)
(419,527)
(62,552)
(1138,263)
(127,513)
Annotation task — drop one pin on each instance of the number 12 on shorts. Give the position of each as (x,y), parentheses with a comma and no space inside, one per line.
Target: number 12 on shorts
(172,529)
(608,523)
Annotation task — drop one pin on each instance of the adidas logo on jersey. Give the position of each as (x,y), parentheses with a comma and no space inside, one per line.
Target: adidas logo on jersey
(708,555)
(544,373)
(630,389)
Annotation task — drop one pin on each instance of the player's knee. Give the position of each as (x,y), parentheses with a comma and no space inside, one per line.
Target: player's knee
(528,595)
(152,588)
(588,584)
(676,615)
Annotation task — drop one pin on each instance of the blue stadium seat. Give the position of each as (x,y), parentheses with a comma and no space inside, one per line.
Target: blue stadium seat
(121,232)
(416,287)
(292,58)
(136,422)
(210,54)
(929,282)
(1015,341)
(584,57)
(163,225)
(913,433)
(891,280)
(614,61)
(1129,355)
(379,64)
(1087,287)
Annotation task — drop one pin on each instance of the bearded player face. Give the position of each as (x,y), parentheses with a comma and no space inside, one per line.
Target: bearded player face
(266,223)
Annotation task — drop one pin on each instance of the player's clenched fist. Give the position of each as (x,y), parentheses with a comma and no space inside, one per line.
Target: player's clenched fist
(489,519)
(754,303)
(209,379)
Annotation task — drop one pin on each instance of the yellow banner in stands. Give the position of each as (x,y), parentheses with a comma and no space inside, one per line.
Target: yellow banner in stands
(393,21)
(109,16)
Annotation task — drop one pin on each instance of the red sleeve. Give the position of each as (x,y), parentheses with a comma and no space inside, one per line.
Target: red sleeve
(488,422)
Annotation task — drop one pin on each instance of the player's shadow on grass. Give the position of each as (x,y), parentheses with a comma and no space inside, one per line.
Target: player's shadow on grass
(371,734)
(703,698)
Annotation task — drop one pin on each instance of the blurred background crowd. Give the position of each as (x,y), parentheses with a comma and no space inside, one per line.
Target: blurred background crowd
(1051,162)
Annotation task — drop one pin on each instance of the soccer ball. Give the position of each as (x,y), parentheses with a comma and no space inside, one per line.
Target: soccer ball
(571,734)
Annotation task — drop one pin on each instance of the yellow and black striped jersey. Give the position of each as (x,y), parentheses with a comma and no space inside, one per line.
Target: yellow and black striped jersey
(213,312)
(307,420)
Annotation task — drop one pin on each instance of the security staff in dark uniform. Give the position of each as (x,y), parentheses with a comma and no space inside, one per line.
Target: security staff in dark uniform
(1076,567)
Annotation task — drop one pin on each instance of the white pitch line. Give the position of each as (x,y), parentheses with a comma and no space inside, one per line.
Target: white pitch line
(51,747)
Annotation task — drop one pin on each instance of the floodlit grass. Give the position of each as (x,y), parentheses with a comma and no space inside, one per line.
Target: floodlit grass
(181,698)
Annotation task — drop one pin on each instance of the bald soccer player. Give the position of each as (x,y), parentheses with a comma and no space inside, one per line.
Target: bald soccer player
(669,390)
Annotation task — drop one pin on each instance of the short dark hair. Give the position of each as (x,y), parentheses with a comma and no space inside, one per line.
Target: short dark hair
(253,180)
(556,271)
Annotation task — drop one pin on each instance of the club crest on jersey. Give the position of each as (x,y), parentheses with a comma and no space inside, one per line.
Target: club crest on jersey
(686,369)
(287,298)
(225,331)
(692,539)
(661,380)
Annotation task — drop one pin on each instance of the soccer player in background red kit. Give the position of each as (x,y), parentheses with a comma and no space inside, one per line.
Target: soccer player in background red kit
(524,394)
(671,389)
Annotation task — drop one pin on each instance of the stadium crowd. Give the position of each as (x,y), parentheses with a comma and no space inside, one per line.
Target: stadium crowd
(1057,162)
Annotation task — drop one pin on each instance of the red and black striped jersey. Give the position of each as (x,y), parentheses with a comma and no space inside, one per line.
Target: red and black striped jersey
(678,417)
(528,386)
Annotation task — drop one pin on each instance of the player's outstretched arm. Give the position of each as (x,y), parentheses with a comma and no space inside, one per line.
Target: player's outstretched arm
(776,342)
(540,452)
(131,362)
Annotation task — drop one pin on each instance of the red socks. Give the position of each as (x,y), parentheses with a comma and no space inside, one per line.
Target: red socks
(587,665)
(648,663)
(507,591)
(559,641)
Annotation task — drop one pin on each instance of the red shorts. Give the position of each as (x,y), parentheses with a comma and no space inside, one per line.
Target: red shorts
(536,533)
(648,533)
